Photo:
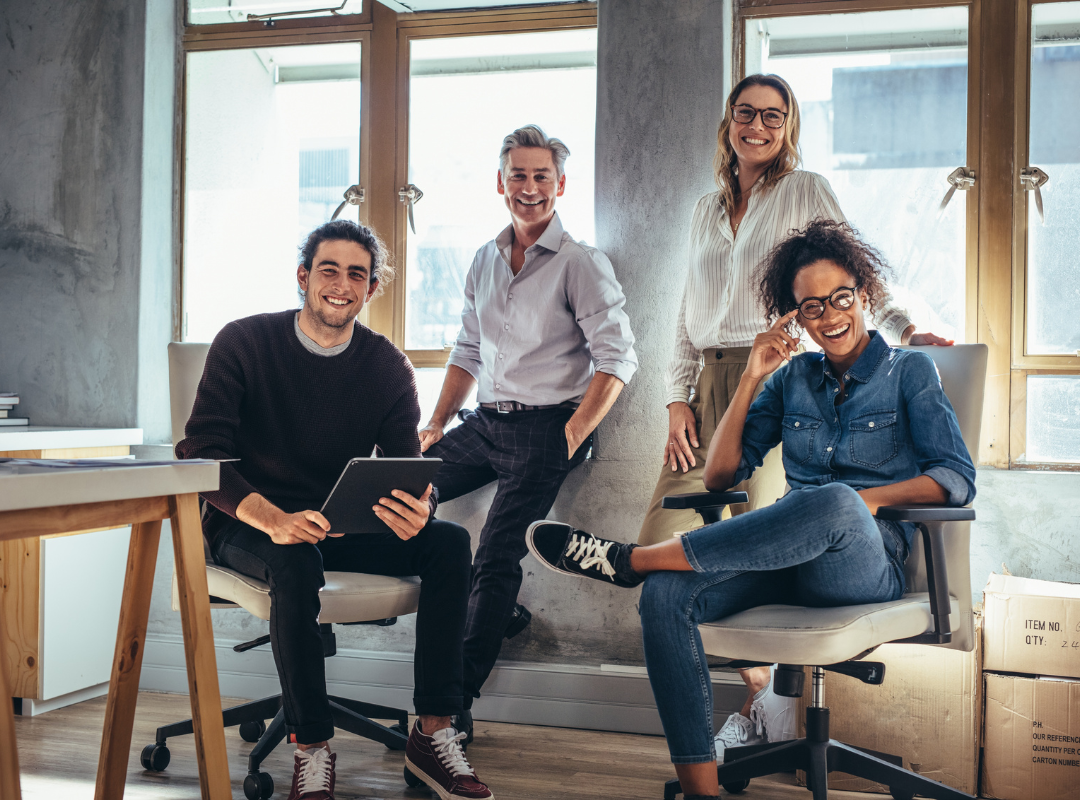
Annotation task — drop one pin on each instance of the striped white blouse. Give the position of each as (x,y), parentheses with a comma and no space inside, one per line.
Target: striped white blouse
(719,305)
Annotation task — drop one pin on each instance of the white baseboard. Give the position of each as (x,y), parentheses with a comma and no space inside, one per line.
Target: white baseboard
(31,707)
(557,695)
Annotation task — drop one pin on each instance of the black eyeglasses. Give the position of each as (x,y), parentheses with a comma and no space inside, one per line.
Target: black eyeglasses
(770,117)
(842,299)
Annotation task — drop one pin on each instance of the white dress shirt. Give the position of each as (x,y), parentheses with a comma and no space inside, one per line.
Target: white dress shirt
(538,336)
(719,305)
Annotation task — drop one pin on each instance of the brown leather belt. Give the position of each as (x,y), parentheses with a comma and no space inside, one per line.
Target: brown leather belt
(508,406)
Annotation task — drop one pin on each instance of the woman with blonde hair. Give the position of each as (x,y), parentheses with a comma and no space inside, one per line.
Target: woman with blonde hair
(762,197)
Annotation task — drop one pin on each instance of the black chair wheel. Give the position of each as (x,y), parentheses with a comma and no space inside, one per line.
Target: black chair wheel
(258,786)
(155,757)
(734,787)
(413,781)
(403,729)
(900,794)
(252,731)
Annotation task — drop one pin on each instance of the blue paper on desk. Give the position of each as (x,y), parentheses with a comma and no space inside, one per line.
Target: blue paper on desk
(29,466)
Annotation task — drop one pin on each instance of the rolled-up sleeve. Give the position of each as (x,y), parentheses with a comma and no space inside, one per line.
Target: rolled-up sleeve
(762,430)
(598,305)
(466,352)
(940,451)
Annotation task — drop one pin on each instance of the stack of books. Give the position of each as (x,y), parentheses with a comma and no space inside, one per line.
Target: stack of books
(8,401)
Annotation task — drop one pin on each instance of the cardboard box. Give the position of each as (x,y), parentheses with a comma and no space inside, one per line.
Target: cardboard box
(1031,738)
(1032,627)
(927,712)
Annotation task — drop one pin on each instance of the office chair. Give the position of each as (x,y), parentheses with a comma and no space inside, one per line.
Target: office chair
(347,599)
(935,611)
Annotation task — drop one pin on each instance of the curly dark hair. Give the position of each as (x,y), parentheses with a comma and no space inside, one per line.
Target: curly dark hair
(349,231)
(822,239)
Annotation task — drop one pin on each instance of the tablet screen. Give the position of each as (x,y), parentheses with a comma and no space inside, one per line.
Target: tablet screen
(348,509)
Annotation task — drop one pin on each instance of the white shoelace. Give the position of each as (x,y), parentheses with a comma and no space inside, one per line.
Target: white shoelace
(590,554)
(315,772)
(448,749)
(757,716)
(735,731)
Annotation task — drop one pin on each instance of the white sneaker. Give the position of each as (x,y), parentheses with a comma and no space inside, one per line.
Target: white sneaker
(736,732)
(773,716)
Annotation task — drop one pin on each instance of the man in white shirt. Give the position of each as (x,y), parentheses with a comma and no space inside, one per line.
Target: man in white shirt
(546,341)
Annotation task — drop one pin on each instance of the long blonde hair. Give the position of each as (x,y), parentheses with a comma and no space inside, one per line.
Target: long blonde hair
(726,163)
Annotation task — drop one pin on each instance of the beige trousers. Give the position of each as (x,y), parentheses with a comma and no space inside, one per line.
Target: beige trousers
(716,386)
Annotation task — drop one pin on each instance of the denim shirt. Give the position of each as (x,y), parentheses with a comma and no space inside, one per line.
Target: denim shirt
(896,424)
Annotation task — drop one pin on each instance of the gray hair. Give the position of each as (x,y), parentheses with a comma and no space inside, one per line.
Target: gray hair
(533,136)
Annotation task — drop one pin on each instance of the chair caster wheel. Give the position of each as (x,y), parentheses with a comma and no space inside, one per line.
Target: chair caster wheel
(413,781)
(403,729)
(734,787)
(155,757)
(252,731)
(258,786)
(899,794)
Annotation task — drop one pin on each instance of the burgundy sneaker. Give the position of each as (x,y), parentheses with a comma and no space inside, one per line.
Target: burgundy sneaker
(313,775)
(439,761)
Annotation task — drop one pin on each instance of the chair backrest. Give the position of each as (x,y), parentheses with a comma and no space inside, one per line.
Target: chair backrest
(186,362)
(962,369)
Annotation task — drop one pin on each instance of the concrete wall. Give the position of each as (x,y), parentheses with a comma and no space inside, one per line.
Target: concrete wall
(70,142)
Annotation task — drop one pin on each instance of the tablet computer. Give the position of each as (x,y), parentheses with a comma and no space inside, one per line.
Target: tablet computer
(348,509)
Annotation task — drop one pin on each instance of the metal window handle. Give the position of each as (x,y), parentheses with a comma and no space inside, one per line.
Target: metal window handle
(410,195)
(354,196)
(960,178)
(1033,178)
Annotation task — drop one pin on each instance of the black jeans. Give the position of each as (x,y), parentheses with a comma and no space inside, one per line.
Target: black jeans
(526,452)
(439,554)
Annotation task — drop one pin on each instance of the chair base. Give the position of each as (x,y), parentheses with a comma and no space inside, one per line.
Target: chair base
(353,716)
(818,755)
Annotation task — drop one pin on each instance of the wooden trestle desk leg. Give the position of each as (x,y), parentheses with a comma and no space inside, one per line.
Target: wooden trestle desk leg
(127,660)
(9,754)
(199,647)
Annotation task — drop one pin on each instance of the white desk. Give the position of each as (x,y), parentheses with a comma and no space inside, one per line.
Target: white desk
(34,505)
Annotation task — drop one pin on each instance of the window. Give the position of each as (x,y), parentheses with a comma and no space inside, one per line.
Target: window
(211,12)
(883,103)
(462,103)
(272,140)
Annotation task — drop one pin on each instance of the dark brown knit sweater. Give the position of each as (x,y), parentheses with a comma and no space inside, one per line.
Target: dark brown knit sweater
(293,418)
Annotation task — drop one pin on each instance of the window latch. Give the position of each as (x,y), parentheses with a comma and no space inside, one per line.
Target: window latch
(1032,178)
(354,196)
(410,195)
(960,178)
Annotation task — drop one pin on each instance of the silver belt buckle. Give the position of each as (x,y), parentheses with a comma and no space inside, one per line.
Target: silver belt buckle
(499,406)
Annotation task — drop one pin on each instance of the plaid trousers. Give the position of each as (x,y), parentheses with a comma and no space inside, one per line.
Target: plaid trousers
(526,452)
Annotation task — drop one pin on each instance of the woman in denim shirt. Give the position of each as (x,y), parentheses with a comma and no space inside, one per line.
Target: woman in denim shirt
(862,424)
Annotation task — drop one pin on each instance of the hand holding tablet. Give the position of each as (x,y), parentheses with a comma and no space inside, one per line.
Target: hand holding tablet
(376,495)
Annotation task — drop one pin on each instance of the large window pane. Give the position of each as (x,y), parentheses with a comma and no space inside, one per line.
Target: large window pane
(1053,273)
(211,12)
(465,95)
(272,141)
(883,97)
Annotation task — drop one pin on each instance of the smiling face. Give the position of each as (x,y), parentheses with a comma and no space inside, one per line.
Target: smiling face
(755,145)
(840,333)
(338,285)
(531,185)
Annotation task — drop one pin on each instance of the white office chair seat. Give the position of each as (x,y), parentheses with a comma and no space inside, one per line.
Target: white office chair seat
(778,634)
(346,597)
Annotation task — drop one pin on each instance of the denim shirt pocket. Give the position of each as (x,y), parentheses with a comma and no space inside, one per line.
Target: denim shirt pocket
(873,438)
(798,436)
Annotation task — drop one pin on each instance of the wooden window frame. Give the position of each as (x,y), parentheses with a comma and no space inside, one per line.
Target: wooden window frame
(436,25)
(999,56)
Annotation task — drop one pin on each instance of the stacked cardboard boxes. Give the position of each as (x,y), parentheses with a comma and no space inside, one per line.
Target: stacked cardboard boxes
(1031,730)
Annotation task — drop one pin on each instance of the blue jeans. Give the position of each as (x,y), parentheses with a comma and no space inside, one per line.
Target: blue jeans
(818,546)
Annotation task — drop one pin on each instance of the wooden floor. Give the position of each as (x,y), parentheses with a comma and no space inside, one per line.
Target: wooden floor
(58,754)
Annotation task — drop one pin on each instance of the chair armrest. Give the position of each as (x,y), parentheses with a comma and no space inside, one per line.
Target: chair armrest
(931,521)
(925,513)
(696,500)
